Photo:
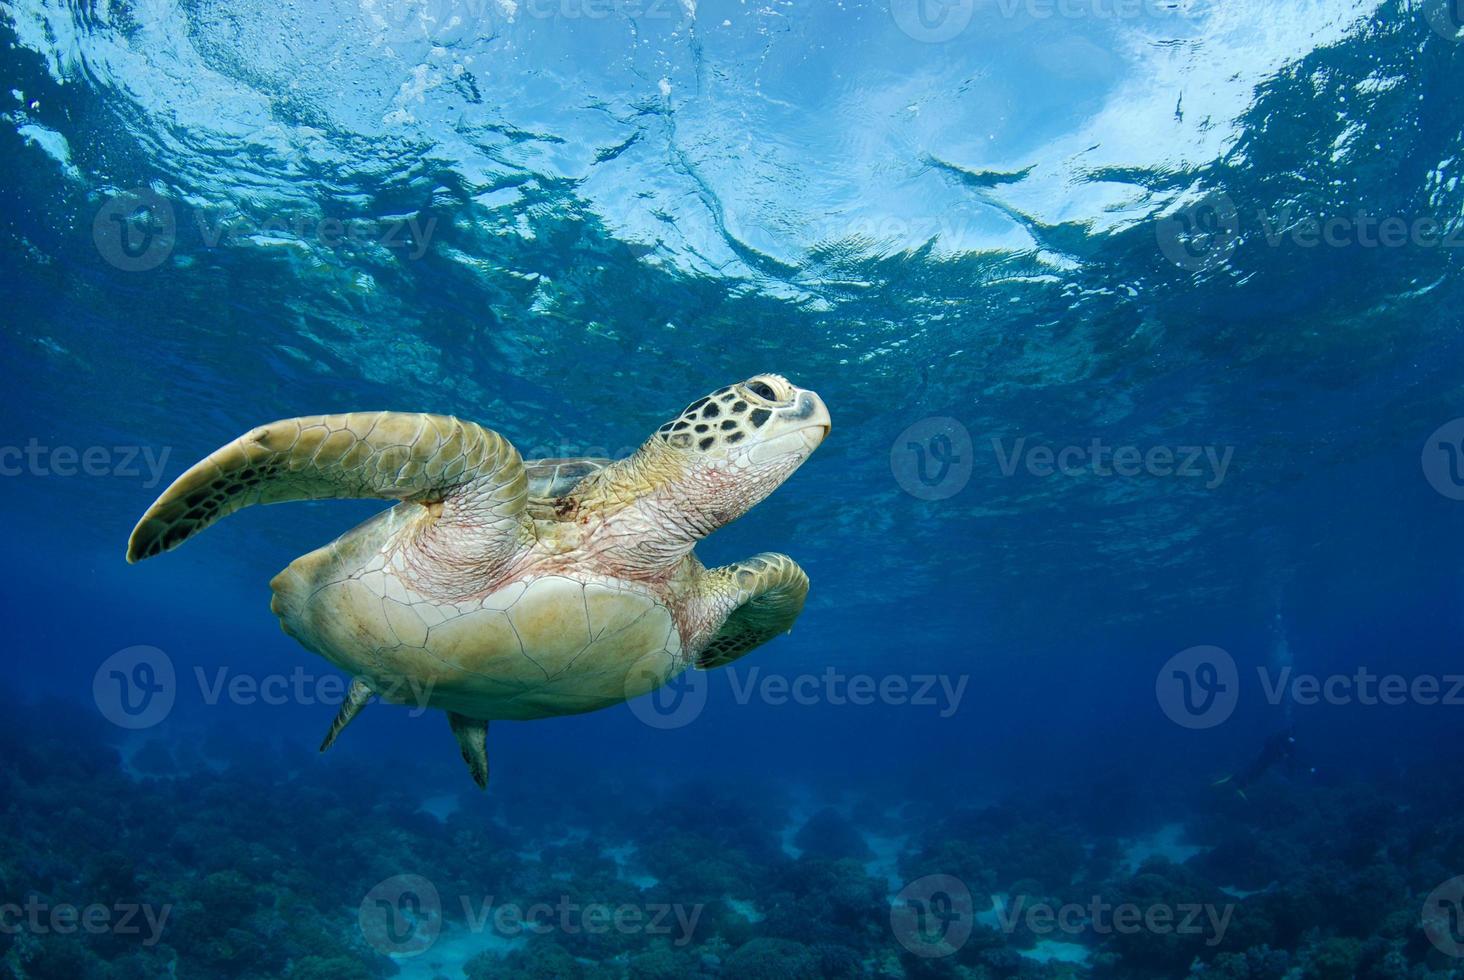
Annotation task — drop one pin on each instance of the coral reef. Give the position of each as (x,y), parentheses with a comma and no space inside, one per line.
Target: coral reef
(1298,882)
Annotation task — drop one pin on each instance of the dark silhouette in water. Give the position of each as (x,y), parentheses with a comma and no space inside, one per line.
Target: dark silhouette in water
(1278,748)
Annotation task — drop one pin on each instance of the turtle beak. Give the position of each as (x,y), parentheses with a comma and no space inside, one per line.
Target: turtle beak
(808,406)
(796,430)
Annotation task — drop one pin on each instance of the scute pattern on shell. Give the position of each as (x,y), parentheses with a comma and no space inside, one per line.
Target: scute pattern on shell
(549,645)
(551,480)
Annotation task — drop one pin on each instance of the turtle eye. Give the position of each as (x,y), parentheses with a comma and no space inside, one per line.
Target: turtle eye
(762,390)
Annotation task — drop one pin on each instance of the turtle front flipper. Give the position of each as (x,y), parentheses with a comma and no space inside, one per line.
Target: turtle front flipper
(764,595)
(463,469)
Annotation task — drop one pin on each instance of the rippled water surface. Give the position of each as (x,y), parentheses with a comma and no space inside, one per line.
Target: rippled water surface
(1139,324)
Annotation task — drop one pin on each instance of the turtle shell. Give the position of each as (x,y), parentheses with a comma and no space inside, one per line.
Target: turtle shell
(551,479)
(551,642)
(547,643)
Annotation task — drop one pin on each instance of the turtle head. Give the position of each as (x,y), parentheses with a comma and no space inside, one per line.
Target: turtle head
(728,450)
(705,468)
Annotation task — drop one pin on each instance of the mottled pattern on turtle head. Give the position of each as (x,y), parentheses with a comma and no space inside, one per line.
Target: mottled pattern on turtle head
(734,415)
(730,449)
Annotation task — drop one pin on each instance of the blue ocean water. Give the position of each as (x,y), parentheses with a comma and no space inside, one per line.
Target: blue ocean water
(1132,644)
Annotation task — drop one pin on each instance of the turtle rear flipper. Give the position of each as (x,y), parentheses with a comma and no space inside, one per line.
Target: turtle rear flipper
(765,595)
(356,699)
(463,469)
(472,736)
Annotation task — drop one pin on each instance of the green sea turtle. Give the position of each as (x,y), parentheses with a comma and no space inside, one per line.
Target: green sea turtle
(503,589)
